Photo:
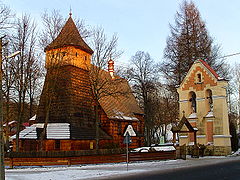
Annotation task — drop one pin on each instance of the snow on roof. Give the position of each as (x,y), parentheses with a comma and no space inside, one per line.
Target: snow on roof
(33,118)
(54,131)
(209,114)
(58,131)
(11,122)
(121,115)
(28,133)
(124,117)
(193,116)
(38,125)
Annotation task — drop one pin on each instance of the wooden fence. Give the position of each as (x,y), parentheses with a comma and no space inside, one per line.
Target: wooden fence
(44,158)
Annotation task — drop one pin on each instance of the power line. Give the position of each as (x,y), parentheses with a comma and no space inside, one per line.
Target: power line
(229,55)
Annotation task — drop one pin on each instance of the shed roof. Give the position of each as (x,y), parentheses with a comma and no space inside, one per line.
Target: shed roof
(69,36)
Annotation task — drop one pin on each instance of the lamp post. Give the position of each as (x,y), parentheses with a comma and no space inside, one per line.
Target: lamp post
(2,167)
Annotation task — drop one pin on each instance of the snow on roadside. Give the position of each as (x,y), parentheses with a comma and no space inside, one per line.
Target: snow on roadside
(105,170)
(83,172)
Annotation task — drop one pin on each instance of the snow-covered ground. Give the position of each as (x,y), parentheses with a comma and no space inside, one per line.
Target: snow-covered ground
(106,171)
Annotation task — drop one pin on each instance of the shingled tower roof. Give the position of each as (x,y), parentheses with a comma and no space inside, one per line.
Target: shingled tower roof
(69,36)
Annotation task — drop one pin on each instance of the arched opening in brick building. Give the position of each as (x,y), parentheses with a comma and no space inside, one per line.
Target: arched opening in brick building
(192,102)
(209,100)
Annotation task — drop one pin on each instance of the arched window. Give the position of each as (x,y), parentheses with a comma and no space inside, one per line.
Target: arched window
(193,102)
(209,100)
(199,78)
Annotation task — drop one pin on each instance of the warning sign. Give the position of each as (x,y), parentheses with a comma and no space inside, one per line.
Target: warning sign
(130,131)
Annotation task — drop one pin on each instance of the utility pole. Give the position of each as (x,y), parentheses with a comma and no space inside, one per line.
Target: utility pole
(2,166)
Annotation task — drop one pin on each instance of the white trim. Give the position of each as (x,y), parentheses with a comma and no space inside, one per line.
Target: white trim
(219,97)
(222,136)
(192,121)
(184,100)
(200,99)
(210,120)
(201,136)
(183,136)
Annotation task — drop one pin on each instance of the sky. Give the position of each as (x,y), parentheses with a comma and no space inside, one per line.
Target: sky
(143,24)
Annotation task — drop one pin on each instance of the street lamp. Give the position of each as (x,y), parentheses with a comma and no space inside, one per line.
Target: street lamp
(2,167)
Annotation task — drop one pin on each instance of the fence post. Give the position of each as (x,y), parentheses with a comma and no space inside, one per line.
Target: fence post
(11,163)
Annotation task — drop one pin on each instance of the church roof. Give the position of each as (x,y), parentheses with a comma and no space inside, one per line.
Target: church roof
(69,36)
(210,68)
(122,106)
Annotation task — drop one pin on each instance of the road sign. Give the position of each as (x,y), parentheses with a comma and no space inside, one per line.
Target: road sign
(130,131)
(127,139)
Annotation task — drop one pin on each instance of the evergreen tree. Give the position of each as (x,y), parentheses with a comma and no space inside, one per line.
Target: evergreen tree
(189,41)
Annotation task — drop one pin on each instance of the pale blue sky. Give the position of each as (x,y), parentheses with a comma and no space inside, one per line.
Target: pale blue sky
(144,24)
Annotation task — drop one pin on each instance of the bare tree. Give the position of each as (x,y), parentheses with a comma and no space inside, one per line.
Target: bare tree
(142,74)
(6,19)
(104,50)
(24,40)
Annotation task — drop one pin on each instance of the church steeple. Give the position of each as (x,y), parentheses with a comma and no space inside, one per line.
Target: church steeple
(68,48)
(69,36)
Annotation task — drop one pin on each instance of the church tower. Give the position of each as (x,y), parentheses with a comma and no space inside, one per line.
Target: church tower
(68,48)
(203,99)
(67,95)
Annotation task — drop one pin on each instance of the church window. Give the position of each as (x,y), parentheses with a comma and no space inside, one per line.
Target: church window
(76,54)
(85,58)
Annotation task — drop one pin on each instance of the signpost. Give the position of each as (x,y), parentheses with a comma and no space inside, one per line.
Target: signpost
(127,140)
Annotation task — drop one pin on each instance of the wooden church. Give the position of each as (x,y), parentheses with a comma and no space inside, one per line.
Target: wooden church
(66,117)
(203,100)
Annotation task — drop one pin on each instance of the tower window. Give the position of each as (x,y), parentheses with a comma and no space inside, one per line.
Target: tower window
(199,78)
(85,58)
(76,54)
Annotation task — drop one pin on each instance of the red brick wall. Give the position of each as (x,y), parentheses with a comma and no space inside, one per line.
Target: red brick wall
(207,79)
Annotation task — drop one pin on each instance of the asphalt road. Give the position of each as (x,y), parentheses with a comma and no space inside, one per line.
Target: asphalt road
(221,171)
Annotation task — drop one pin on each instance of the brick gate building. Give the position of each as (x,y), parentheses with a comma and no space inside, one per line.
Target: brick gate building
(203,98)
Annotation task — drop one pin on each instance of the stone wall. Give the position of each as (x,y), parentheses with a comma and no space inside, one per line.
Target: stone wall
(212,150)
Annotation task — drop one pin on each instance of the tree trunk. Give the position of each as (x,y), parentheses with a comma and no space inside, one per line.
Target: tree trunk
(97,127)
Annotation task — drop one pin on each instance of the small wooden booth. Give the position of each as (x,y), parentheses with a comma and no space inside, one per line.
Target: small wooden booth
(190,129)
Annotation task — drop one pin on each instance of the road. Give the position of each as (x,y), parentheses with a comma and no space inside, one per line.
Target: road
(220,171)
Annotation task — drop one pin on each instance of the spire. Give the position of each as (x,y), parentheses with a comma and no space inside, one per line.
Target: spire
(69,36)
(70,13)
